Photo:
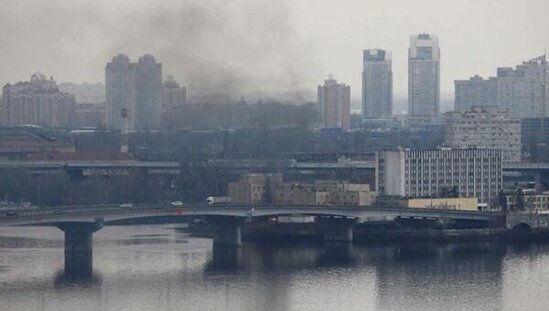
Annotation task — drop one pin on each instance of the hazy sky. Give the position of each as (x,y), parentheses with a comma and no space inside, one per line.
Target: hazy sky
(264,46)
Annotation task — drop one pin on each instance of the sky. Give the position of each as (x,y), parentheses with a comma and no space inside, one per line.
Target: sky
(265,47)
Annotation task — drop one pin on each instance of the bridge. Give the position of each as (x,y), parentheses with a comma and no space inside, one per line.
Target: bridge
(343,164)
(228,163)
(84,168)
(538,172)
(337,222)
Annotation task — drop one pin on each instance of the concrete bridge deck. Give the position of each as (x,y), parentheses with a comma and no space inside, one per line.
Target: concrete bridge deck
(45,216)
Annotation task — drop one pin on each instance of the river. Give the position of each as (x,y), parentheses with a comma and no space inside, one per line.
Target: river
(155,267)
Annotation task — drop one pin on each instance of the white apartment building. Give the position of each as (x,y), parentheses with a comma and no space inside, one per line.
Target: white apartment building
(485,128)
(429,173)
(518,90)
(423,76)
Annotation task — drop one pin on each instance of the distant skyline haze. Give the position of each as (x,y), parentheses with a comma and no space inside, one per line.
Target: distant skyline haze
(262,47)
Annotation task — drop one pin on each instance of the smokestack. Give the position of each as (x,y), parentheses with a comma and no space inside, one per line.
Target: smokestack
(124,148)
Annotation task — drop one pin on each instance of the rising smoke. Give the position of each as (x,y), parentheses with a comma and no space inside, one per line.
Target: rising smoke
(216,47)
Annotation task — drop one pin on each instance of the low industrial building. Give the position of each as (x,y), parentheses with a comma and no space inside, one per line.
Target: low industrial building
(20,142)
(462,204)
(252,188)
(527,199)
(269,188)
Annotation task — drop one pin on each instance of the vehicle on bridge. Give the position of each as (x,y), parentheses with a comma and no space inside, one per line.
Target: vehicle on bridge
(218,200)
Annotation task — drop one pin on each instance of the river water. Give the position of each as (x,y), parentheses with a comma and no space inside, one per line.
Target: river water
(159,268)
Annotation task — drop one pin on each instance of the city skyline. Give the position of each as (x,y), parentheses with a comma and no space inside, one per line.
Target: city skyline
(307,46)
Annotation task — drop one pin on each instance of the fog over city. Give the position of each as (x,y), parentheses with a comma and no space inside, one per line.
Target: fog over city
(269,155)
(264,48)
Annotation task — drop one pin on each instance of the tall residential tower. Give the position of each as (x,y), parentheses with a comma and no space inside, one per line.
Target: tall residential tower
(423,76)
(377,85)
(133,91)
(334,102)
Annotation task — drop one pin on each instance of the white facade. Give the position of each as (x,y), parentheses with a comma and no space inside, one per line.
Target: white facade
(424,76)
(429,173)
(519,90)
(377,84)
(485,128)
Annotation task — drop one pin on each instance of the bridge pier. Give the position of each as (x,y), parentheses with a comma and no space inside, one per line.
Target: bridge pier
(226,230)
(336,229)
(225,257)
(79,247)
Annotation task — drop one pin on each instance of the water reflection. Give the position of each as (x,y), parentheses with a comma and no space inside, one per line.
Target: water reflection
(64,280)
(225,258)
(180,272)
(439,276)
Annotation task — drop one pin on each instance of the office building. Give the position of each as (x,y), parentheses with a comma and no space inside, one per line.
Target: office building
(377,85)
(437,172)
(485,128)
(518,90)
(423,76)
(38,102)
(334,102)
(133,93)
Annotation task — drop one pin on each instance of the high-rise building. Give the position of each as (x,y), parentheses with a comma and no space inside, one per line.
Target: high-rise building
(120,92)
(334,102)
(438,172)
(423,76)
(377,85)
(38,102)
(133,93)
(518,90)
(485,128)
(173,95)
(148,99)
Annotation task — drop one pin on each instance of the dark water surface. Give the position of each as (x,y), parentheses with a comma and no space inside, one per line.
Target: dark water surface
(159,268)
